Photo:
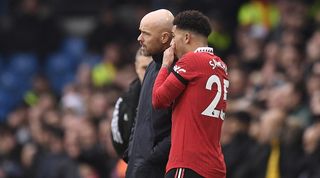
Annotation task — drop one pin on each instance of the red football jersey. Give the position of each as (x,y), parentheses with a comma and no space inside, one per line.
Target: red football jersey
(197,88)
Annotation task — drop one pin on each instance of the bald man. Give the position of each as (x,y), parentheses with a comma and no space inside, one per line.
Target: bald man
(150,139)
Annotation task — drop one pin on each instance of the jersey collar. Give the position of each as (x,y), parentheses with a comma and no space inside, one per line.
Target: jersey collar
(204,49)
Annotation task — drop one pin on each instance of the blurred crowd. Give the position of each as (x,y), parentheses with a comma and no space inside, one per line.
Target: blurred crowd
(64,63)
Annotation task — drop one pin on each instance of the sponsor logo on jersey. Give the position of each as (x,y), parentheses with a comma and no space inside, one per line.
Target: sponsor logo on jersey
(178,69)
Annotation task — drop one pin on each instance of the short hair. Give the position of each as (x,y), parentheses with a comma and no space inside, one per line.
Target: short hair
(194,21)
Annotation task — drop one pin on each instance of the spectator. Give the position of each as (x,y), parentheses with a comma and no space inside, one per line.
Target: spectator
(55,163)
(239,124)
(105,72)
(40,85)
(9,154)
(271,155)
(310,166)
(92,153)
(292,103)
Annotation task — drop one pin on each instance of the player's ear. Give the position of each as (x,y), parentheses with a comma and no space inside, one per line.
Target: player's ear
(187,38)
(166,37)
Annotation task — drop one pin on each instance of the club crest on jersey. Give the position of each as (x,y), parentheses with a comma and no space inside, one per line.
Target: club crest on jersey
(215,64)
(178,69)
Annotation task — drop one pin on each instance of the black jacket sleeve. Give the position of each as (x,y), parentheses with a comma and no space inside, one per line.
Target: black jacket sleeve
(123,118)
(160,151)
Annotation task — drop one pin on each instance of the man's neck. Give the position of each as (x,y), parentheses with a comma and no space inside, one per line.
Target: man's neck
(197,44)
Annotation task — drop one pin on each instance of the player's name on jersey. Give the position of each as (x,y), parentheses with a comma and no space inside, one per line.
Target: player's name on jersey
(215,64)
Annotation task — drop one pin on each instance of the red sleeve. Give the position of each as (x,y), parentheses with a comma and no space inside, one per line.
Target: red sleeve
(166,89)
(185,68)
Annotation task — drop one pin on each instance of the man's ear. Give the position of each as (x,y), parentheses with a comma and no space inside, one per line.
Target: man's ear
(187,38)
(166,37)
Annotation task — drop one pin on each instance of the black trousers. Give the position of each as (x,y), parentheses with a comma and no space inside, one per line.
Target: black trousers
(182,173)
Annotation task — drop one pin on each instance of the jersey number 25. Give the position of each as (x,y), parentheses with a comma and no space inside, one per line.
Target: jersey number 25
(211,110)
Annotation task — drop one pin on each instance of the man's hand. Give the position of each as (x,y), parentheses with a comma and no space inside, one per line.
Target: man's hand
(168,56)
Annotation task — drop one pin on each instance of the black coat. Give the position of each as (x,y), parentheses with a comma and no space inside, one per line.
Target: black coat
(310,165)
(150,142)
(256,164)
(236,152)
(56,165)
(123,118)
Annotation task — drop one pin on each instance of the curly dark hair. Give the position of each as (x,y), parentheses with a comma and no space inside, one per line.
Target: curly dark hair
(194,21)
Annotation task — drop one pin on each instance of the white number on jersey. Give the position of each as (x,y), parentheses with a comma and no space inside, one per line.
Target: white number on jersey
(211,110)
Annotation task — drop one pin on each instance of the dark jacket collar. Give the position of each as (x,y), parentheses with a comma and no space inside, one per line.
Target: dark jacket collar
(157,58)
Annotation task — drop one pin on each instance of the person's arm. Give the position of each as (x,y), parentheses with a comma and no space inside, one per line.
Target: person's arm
(123,118)
(125,155)
(166,89)
(161,151)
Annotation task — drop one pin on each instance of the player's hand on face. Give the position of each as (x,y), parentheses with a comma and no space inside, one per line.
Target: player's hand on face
(168,55)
